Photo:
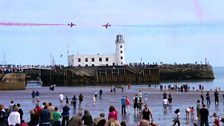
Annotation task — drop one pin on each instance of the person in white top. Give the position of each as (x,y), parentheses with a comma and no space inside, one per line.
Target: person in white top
(14,117)
(165,102)
(61,98)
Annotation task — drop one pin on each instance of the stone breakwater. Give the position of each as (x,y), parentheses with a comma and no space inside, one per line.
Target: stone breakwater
(13,81)
(134,74)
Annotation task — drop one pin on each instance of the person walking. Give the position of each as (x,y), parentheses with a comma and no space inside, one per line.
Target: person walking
(146,114)
(123,105)
(204,113)
(176,118)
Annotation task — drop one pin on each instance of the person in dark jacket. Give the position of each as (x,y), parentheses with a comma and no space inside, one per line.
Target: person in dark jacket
(65,115)
(74,99)
(204,115)
(2,116)
(87,118)
(34,118)
(45,117)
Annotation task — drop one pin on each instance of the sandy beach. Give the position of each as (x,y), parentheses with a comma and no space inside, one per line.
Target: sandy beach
(162,116)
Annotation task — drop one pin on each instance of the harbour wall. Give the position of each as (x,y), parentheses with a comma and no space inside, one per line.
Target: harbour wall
(12,81)
(110,75)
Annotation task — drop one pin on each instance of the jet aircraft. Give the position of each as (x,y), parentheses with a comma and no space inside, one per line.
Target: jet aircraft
(71,24)
(107,25)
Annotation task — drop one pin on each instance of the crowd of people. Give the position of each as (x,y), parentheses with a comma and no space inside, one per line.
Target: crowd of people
(48,114)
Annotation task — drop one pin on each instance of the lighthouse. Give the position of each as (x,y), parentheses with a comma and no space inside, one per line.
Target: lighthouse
(120,48)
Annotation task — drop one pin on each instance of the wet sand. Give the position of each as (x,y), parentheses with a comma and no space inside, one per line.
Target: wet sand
(162,116)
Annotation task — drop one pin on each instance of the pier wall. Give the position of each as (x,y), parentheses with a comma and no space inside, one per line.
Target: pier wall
(13,81)
(134,74)
(103,75)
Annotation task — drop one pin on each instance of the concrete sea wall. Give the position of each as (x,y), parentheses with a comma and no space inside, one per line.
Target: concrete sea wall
(13,81)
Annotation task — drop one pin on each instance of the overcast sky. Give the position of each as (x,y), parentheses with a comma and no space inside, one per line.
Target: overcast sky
(181,31)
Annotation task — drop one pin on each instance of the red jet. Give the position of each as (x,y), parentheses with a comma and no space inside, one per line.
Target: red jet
(107,25)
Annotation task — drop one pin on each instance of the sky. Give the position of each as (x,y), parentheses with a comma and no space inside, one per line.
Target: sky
(171,31)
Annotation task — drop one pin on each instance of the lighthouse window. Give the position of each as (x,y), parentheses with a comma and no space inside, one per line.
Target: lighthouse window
(100,59)
(107,59)
(120,46)
(79,59)
(121,57)
(121,51)
(86,59)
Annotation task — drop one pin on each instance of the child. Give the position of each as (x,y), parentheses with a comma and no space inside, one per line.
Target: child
(216,120)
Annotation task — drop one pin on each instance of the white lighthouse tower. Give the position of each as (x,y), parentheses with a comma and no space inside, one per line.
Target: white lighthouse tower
(119,56)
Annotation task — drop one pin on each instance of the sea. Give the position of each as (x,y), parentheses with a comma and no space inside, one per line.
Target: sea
(217,83)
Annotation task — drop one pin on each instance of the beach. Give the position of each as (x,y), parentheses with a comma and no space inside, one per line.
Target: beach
(162,116)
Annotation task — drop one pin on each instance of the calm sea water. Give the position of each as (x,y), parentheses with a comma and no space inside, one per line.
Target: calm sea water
(218,82)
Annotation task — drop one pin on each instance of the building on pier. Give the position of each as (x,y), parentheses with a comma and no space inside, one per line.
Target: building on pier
(101,59)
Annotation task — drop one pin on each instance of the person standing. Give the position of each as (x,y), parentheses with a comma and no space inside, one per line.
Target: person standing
(51,109)
(80,99)
(61,98)
(34,118)
(14,117)
(208,98)
(198,108)
(56,117)
(65,115)
(20,112)
(95,94)
(164,95)
(216,94)
(66,99)
(145,98)
(44,117)
(135,100)
(127,102)
(87,118)
(76,120)
(100,121)
(33,94)
(170,99)
(74,99)
(2,116)
(202,98)
(123,105)
(204,116)
(37,95)
(101,92)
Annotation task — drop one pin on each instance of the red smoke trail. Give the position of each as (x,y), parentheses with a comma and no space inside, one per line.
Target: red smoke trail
(28,24)
(198,9)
